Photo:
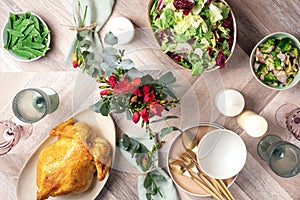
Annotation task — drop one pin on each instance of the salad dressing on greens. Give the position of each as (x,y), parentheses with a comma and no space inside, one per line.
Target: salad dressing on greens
(197,34)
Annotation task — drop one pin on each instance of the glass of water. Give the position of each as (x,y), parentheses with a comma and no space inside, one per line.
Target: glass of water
(282,157)
(29,105)
(32,104)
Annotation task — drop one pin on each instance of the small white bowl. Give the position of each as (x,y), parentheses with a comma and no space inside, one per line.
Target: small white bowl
(221,154)
(177,148)
(278,35)
(10,53)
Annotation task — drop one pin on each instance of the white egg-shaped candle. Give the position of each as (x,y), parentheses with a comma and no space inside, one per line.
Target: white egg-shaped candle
(122,28)
(254,124)
(230,102)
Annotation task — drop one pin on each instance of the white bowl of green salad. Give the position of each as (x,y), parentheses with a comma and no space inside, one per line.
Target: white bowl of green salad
(197,35)
(25,36)
(274,61)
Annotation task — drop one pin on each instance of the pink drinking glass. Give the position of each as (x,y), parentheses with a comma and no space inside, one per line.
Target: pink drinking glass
(288,116)
(11,131)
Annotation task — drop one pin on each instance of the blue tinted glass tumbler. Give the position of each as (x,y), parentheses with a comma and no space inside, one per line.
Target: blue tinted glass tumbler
(282,157)
(29,106)
(32,104)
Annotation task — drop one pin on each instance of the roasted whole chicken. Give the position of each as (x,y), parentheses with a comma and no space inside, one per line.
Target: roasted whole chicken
(69,164)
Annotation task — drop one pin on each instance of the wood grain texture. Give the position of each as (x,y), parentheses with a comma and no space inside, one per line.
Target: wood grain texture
(77,91)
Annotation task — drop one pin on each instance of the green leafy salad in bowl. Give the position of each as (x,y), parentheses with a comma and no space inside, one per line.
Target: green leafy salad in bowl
(197,34)
(275,61)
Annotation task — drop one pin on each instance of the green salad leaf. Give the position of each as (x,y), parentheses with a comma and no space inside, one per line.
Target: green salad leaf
(215,13)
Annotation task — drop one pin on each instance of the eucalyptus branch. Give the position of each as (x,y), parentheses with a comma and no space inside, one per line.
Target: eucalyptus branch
(126,89)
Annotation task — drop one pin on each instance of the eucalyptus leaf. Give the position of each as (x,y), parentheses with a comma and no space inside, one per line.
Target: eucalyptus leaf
(126,141)
(138,159)
(142,148)
(104,109)
(85,44)
(170,91)
(135,147)
(175,85)
(126,64)
(149,196)
(167,130)
(104,66)
(110,39)
(111,67)
(111,51)
(88,56)
(95,70)
(96,107)
(109,71)
(113,64)
(147,181)
(110,55)
(133,73)
(158,177)
(167,79)
(92,71)
(147,79)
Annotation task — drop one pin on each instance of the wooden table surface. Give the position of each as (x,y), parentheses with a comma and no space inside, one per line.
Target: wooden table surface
(255,19)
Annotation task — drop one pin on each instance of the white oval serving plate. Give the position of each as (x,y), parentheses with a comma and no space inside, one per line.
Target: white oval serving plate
(26,186)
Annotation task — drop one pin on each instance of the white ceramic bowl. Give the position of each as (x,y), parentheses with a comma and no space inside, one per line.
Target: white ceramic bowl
(278,35)
(10,53)
(221,154)
(177,148)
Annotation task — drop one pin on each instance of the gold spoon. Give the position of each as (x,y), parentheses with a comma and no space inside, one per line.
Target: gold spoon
(189,140)
(179,167)
(208,181)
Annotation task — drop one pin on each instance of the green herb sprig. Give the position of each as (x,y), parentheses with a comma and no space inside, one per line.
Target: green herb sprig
(145,159)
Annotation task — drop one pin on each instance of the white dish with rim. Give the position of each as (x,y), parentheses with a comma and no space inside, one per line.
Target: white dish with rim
(176,149)
(26,186)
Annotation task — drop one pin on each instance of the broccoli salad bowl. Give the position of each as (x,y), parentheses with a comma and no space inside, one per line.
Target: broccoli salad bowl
(274,61)
(199,35)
